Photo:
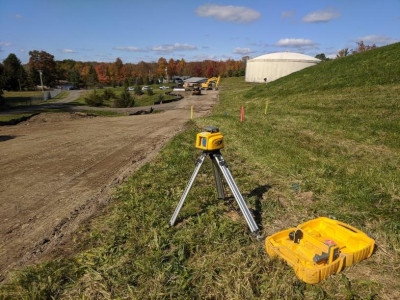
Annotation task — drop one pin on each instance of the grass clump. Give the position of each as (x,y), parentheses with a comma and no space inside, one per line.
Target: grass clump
(46,281)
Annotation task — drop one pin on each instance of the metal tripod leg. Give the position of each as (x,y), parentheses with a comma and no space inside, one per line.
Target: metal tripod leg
(217,177)
(199,162)
(236,193)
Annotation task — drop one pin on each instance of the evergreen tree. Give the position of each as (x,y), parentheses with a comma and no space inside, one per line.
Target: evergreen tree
(1,76)
(94,99)
(91,77)
(321,56)
(75,78)
(125,100)
(2,102)
(108,94)
(138,90)
(150,92)
(14,74)
(126,84)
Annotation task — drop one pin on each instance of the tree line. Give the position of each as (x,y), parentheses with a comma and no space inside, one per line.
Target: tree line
(16,76)
(43,67)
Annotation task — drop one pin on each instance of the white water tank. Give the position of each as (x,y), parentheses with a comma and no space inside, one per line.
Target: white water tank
(269,67)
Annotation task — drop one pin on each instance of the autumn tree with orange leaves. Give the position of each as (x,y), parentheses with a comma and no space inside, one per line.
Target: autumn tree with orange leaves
(361,47)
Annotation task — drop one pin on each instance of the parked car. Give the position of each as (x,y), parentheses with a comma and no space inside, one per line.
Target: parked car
(131,89)
(146,87)
(179,81)
(163,87)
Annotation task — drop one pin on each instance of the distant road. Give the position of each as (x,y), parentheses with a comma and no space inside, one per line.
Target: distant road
(72,96)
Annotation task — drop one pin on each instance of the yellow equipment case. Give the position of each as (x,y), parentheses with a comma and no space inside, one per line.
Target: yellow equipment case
(319,248)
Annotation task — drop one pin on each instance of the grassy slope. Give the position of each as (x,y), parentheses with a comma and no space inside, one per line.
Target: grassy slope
(329,145)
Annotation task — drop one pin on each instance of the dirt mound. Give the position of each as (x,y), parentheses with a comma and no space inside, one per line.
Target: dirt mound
(57,117)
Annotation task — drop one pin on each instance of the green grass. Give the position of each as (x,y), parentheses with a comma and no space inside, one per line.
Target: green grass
(142,100)
(104,113)
(11,95)
(7,118)
(11,117)
(20,99)
(325,148)
(61,95)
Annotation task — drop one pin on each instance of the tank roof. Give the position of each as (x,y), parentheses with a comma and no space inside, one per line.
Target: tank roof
(285,56)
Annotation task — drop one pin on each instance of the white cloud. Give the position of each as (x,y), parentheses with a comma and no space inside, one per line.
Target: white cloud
(168,48)
(243,51)
(6,44)
(322,16)
(230,13)
(295,43)
(201,57)
(18,16)
(377,40)
(68,51)
(287,14)
(129,48)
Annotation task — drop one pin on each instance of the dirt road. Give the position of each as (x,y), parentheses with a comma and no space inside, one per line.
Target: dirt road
(57,169)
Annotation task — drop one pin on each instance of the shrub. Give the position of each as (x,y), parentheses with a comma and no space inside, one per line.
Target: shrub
(94,99)
(108,94)
(150,92)
(125,100)
(138,90)
(160,97)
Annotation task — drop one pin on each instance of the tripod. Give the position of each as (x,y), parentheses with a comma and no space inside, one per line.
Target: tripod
(219,167)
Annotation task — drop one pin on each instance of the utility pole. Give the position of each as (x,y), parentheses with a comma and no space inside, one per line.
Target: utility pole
(41,80)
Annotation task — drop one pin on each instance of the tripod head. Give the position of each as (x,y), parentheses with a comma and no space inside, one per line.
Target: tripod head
(211,139)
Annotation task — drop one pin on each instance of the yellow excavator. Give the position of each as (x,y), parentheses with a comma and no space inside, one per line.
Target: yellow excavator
(213,81)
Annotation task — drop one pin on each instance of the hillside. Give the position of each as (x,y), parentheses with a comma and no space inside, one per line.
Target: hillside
(329,145)
(369,68)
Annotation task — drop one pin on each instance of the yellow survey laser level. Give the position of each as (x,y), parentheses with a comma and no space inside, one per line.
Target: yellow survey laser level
(210,139)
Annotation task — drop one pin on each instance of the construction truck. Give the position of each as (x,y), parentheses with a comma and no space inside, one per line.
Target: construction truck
(211,83)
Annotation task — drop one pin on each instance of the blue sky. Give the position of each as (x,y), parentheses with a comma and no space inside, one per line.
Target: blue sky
(103,30)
